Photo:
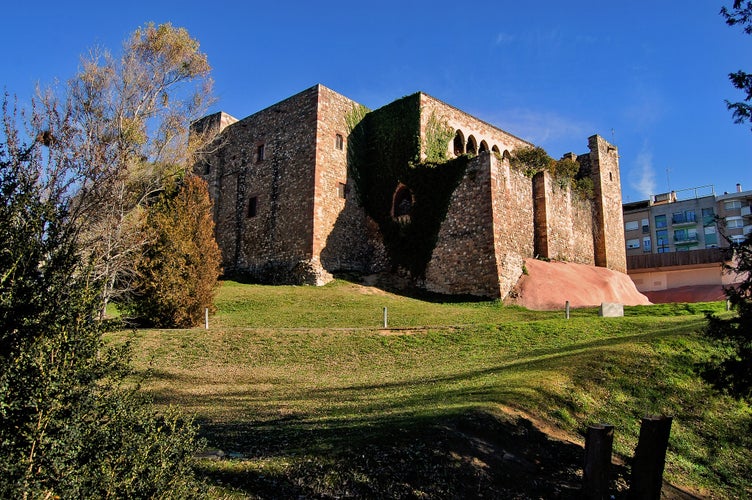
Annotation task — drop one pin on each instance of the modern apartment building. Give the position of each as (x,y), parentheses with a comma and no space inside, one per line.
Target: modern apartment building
(674,240)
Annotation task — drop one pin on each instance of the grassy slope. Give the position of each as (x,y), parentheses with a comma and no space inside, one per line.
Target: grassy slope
(298,381)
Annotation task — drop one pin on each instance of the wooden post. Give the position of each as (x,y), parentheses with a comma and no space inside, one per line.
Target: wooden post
(728,305)
(650,458)
(385,318)
(595,474)
(206,317)
(567,309)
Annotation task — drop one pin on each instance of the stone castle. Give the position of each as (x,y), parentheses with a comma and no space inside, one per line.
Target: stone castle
(291,207)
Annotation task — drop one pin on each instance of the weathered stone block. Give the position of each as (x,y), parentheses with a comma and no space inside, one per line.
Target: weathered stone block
(611,310)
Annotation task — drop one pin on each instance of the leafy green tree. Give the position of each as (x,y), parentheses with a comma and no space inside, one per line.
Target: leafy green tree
(70,427)
(740,14)
(733,372)
(177,275)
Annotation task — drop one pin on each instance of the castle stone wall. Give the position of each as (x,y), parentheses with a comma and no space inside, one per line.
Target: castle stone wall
(513,221)
(610,248)
(344,239)
(563,222)
(286,211)
(464,259)
(468,124)
(274,242)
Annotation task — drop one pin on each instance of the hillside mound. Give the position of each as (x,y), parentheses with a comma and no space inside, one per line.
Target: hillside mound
(549,285)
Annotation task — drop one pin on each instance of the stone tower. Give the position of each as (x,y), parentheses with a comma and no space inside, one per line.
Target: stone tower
(608,231)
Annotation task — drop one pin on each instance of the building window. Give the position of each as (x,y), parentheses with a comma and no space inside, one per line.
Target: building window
(260,152)
(660,221)
(631,225)
(342,190)
(708,216)
(661,241)
(732,205)
(685,235)
(645,226)
(646,244)
(687,216)
(339,142)
(737,238)
(252,207)
(711,237)
(734,222)
(632,244)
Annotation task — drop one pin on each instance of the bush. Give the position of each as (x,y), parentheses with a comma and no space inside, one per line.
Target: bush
(179,270)
(69,425)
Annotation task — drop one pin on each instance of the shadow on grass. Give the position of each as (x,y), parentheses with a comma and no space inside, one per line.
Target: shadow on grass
(432,437)
(473,454)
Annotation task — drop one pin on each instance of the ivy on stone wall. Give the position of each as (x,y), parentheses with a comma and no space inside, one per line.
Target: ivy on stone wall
(565,172)
(437,136)
(407,198)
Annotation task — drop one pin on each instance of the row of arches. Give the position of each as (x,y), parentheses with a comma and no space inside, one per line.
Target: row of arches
(470,146)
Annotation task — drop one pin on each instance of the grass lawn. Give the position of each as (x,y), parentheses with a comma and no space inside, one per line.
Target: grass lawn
(308,397)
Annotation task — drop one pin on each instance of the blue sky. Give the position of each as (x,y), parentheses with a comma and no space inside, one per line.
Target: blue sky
(649,76)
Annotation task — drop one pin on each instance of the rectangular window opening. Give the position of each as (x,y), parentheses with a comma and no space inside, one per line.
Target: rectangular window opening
(260,151)
(339,142)
(252,207)
(342,190)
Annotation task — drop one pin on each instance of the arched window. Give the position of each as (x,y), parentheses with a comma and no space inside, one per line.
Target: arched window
(402,203)
(507,155)
(496,152)
(459,143)
(472,146)
(483,147)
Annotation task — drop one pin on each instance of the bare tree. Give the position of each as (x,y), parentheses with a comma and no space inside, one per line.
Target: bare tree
(131,117)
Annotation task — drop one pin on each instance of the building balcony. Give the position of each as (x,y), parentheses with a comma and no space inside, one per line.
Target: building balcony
(746,211)
(686,241)
(683,220)
(684,224)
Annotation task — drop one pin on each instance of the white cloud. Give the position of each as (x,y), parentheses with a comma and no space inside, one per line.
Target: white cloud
(556,133)
(642,176)
(505,38)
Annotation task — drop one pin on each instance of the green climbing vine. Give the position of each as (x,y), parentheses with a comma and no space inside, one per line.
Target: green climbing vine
(437,136)
(384,153)
(565,172)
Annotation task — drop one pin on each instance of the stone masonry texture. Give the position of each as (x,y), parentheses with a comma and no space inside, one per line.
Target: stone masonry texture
(287,212)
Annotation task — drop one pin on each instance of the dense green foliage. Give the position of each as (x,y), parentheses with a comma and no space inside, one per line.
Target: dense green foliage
(566,172)
(178,271)
(385,162)
(532,160)
(732,370)
(317,400)
(69,426)
(741,14)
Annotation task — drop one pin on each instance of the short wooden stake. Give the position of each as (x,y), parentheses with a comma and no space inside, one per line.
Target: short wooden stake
(206,318)
(567,309)
(650,458)
(385,318)
(598,446)
(728,305)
